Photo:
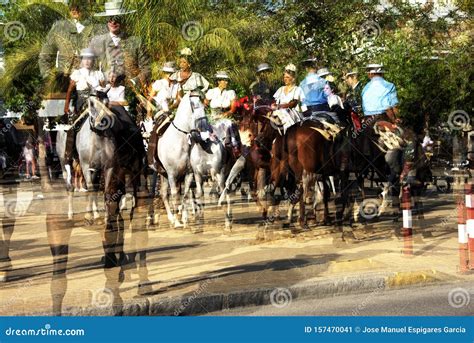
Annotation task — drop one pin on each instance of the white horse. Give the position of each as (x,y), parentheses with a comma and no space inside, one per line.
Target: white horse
(173,153)
(84,146)
(213,164)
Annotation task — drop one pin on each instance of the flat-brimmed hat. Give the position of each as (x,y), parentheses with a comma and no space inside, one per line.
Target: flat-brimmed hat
(375,68)
(221,75)
(291,67)
(169,67)
(87,53)
(323,72)
(309,60)
(351,72)
(262,67)
(114,8)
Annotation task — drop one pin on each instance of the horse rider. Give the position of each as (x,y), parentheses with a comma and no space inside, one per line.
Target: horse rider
(222,102)
(260,88)
(288,98)
(195,85)
(125,56)
(379,102)
(164,95)
(354,94)
(313,89)
(119,52)
(83,81)
(63,43)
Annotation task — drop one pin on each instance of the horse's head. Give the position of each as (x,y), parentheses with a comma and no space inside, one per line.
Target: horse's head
(102,119)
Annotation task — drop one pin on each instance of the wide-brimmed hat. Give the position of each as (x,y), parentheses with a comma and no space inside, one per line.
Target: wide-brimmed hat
(87,53)
(221,75)
(291,67)
(323,72)
(309,60)
(351,72)
(169,67)
(114,8)
(375,68)
(262,67)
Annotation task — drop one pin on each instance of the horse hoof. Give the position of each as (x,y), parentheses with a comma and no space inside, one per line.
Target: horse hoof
(3,276)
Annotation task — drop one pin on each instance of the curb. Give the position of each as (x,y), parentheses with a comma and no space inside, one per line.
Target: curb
(191,304)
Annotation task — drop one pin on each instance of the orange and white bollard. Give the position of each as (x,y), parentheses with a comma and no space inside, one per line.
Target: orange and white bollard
(407,230)
(470,222)
(462,235)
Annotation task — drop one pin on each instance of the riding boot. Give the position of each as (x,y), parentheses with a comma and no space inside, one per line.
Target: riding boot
(202,129)
(95,178)
(235,141)
(152,144)
(70,143)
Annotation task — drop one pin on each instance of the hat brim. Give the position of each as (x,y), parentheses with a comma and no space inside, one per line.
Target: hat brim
(350,74)
(324,74)
(375,71)
(168,70)
(87,56)
(264,69)
(114,14)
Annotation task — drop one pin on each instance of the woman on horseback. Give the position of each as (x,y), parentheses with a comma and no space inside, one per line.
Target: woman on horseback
(164,94)
(194,84)
(223,105)
(288,98)
(83,81)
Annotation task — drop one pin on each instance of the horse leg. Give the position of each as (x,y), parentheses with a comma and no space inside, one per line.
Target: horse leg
(174,201)
(228,211)
(326,197)
(165,197)
(302,218)
(187,197)
(199,196)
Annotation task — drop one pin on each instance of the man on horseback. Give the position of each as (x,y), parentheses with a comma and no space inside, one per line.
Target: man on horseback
(260,89)
(124,56)
(313,88)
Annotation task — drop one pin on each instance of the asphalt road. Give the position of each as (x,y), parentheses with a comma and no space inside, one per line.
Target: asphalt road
(418,301)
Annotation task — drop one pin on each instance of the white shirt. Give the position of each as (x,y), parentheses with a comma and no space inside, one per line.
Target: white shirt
(164,93)
(116,94)
(334,99)
(220,99)
(85,78)
(296,93)
(115,39)
(79,26)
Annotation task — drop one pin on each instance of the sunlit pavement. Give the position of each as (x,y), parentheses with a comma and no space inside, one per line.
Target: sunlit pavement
(183,263)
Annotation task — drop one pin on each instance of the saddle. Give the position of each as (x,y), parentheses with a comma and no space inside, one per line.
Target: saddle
(326,126)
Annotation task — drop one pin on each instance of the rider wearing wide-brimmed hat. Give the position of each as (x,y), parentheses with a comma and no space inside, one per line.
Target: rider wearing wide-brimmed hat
(313,88)
(162,100)
(61,48)
(260,88)
(353,99)
(222,102)
(116,51)
(83,82)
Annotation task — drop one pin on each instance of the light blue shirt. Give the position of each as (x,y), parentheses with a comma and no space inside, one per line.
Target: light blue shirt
(378,95)
(313,90)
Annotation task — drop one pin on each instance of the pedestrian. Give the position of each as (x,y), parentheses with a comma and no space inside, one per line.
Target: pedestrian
(30,160)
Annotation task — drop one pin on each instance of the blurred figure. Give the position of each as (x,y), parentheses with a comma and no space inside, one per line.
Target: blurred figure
(29,154)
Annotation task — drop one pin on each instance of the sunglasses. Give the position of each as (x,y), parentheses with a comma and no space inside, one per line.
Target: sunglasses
(115,20)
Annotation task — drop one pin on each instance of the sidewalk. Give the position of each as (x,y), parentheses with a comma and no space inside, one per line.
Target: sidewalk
(188,273)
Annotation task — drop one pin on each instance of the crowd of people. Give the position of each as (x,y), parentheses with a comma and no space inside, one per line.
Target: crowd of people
(115,64)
